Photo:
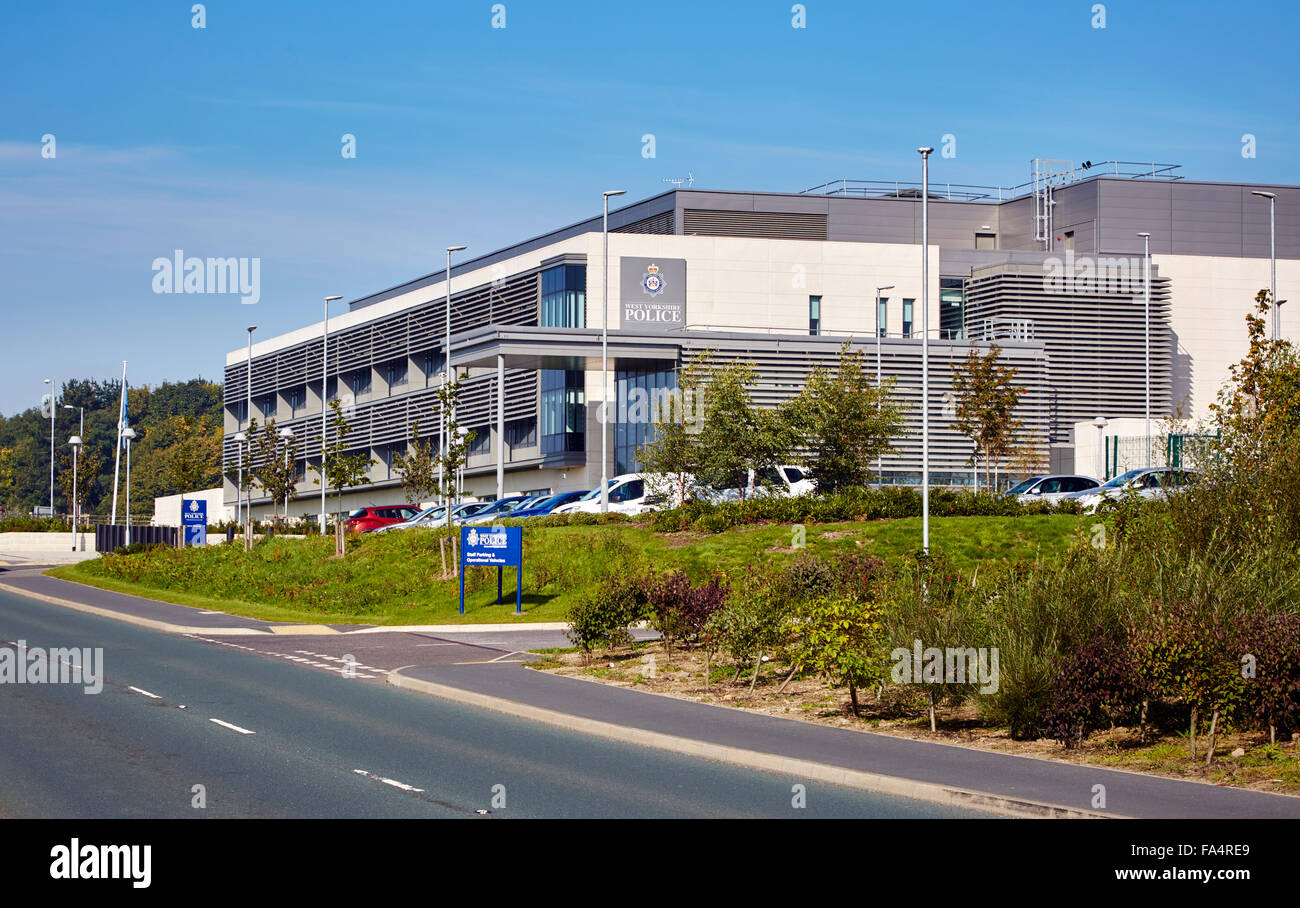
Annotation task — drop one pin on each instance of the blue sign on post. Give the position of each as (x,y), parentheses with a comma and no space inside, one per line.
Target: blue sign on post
(194,521)
(498,547)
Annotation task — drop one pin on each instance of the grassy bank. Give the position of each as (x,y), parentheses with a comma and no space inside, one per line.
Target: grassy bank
(394,578)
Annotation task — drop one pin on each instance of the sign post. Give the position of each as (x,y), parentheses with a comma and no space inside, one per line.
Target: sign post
(194,521)
(498,547)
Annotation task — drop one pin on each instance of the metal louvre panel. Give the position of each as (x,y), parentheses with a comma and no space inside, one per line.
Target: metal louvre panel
(658,223)
(389,337)
(1093,336)
(783,374)
(291,368)
(355,349)
(777,225)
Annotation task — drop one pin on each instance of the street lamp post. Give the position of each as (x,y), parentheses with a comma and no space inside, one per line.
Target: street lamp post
(446,417)
(1272,255)
(1146,334)
(880,476)
(286,435)
(248,416)
(127,435)
(240,438)
(324,399)
(1101,423)
(925,153)
(604,353)
(53,404)
(75,441)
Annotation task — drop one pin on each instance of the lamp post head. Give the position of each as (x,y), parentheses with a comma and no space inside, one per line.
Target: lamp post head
(330,299)
(609,193)
(240,437)
(1101,422)
(1145,234)
(925,151)
(128,433)
(878,289)
(75,441)
(286,433)
(1263,195)
(451,249)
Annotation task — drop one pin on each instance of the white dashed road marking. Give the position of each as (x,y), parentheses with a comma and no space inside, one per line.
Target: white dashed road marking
(145,692)
(393,782)
(242,731)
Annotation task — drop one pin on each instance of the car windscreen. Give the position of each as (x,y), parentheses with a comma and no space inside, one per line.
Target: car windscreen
(1122,479)
(1022,487)
(594,493)
(359,512)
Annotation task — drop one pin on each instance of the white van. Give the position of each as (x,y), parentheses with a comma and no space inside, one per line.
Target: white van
(784,480)
(629,493)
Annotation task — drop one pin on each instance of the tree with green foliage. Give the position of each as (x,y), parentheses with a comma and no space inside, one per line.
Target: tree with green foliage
(986,400)
(418,466)
(737,435)
(343,470)
(447,463)
(276,462)
(674,454)
(847,422)
(841,639)
(88,466)
(6,470)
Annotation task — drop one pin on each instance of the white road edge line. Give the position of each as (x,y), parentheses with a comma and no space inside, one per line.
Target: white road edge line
(242,731)
(145,692)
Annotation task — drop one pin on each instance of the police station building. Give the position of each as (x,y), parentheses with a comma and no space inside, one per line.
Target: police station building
(1052,271)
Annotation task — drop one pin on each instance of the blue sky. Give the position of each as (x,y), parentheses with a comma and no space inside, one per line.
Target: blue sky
(225,141)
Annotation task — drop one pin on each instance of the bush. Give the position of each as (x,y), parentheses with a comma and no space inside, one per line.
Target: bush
(840,638)
(601,617)
(1098,684)
(679,610)
(33,525)
(1273,694)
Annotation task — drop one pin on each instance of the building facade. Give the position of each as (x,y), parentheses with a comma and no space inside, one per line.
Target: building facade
(1053,273)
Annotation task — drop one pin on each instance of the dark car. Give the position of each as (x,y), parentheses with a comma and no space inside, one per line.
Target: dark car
(363,519)
(546,505)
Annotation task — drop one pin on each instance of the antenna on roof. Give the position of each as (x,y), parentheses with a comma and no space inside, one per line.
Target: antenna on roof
(678,181)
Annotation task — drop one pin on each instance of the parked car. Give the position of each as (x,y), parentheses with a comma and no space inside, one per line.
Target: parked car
(363,519)
(499,509)
(1151,482)
(785,480)
(628,494)
(434,516)
(1050,487)
(543,506)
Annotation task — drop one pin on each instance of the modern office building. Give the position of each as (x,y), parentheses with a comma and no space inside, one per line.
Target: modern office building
(1052,271)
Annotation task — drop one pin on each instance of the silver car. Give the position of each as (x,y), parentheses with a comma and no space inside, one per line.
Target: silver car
(1150,482)
(1051,487)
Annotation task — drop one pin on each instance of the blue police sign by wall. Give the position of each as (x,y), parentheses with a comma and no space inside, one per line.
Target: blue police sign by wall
(497,547)
(194,521)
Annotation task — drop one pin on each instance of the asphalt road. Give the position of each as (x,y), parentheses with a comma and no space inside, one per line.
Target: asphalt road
(271,737)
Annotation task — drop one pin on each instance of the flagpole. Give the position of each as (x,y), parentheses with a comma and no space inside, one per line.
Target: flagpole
(117,456)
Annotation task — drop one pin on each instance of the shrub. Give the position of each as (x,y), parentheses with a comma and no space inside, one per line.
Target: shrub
(1273,694)
(600,618)
(1098,684)
(679,610)
(841,639)
(754,621)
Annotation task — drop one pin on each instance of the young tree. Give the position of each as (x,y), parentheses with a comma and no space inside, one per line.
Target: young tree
(342,470)
(418,466)
(847,422)
(88,465)
(841,640)
(986,400)
(6,471)
(673,455)
(277,466)
(736,435)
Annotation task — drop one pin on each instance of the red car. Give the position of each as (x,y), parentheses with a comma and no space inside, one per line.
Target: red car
(363,519)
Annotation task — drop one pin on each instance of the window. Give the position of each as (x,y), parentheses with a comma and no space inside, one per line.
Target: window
(642,397)
(521,433)
(395,374)
(431,363)
(882,310)
(296,400)
(986,241)
(628,491)
(482,443)
(814,315)
(239,410)
(358,383)
(951,309)
(265,405)
(564,297)
(563,411)
(907,317)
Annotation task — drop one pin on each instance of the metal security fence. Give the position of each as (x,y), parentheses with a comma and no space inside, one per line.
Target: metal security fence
(1178,451)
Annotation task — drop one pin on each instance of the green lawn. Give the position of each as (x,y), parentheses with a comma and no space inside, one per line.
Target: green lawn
(393,578)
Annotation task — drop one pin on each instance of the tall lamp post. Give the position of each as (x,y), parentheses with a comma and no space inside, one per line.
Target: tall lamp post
(447,379)
(286,436)
(1272,255)
(880,476)
(324,401)
(604,354)
(75,441)
(1146,334)
(925,153)
(240,438)
(53,404)
(1101,423)
(127,435)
